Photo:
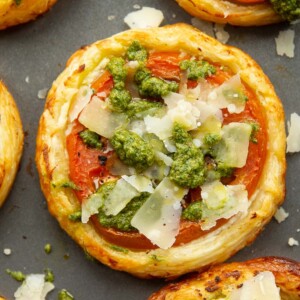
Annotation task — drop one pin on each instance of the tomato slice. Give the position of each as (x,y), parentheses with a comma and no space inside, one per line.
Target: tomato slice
(165,64)
(84,164)
(103,84)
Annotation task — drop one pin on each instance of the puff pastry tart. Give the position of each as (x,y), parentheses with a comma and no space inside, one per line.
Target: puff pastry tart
(243,12)
(168,146)
(261,278)
(11,135)
(14,12)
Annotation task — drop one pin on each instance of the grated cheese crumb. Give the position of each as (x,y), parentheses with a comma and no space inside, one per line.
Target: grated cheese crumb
(298,230)
(7,251)
(173,16)
(27,79)
(281,215)
(136,6)
(111,17)
(292,242)
(293,139)
(221,35)
(42,93)
(285,43)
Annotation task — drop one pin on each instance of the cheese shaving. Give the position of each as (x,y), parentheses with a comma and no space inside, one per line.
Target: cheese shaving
(285,43)
(293,139)
(144,18)
(280,215)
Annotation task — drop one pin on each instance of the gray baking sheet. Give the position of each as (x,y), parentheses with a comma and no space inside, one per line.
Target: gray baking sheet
(38,51)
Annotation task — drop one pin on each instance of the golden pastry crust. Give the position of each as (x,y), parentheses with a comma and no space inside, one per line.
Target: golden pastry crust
(208,284)
(12,13)
(52,159)
(11,135)
(223,11)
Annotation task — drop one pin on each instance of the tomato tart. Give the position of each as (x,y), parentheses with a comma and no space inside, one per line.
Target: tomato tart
(261,278)
(161,151)
(14,12)
(11,135)
(243,12)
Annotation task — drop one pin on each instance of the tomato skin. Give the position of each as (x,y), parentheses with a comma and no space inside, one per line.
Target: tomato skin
(165,64)
(84,164)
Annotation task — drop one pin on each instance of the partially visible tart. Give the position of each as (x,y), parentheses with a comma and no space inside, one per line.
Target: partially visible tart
(267,277)
(11,137)
(162,151)
(14,12)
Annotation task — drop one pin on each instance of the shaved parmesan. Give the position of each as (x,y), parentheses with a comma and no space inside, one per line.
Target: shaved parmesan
(144,18)
(292,242)
(221,35)
(90,206)
(83,97)
(164,158)
(293,139)
(281,215)
(159,217)
(97,117)
(222,202)
(119,197)
(140,183)
(34,287)
(285,43)
(230,92)
(233,149)
(162,127)
(42,93)
(260,287)
(157,171)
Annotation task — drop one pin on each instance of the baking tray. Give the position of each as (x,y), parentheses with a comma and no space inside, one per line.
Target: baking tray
(38,51)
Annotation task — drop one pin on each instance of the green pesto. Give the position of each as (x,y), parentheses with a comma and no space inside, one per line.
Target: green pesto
(136,52)
(288,9)
(48,248)
(141,74)
(91,138)
(119,249)
(218,171)
(140,109)
(212,139)
(197,69)
(75,217)
(132,149)
(156,87)
(235,96)
(193,212)
(68,184)
(117,69)
(106,188)
(157,258)
(122,220)
(188,168)
(65,295)
(17,275)
(119,99)
(49,276)
(255,128)
(180,135)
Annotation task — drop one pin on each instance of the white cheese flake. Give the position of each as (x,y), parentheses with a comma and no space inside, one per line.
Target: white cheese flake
(293,139)
(27,80)
(98,110)
(285,43)
(140,183)
(159,217)
(34,287)
(144,18)
(7,251)
(281,215)
(220,33)
(292,242)
(90,206)
(259,287)
(42,93)
(119,197)
(222,202)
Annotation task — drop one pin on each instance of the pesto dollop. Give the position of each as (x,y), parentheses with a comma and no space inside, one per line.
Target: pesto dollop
(193,212)
(91,139)
(140,109)
(197,69)
(122,220)
(65,295)
(132,149)
(136,52)
(188,168)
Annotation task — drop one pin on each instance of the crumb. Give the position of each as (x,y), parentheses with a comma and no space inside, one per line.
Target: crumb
(281,215)
(42,93)
(136,6)
(173,16)
(292,242)
(7,251)
(27,79)
(111,17)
